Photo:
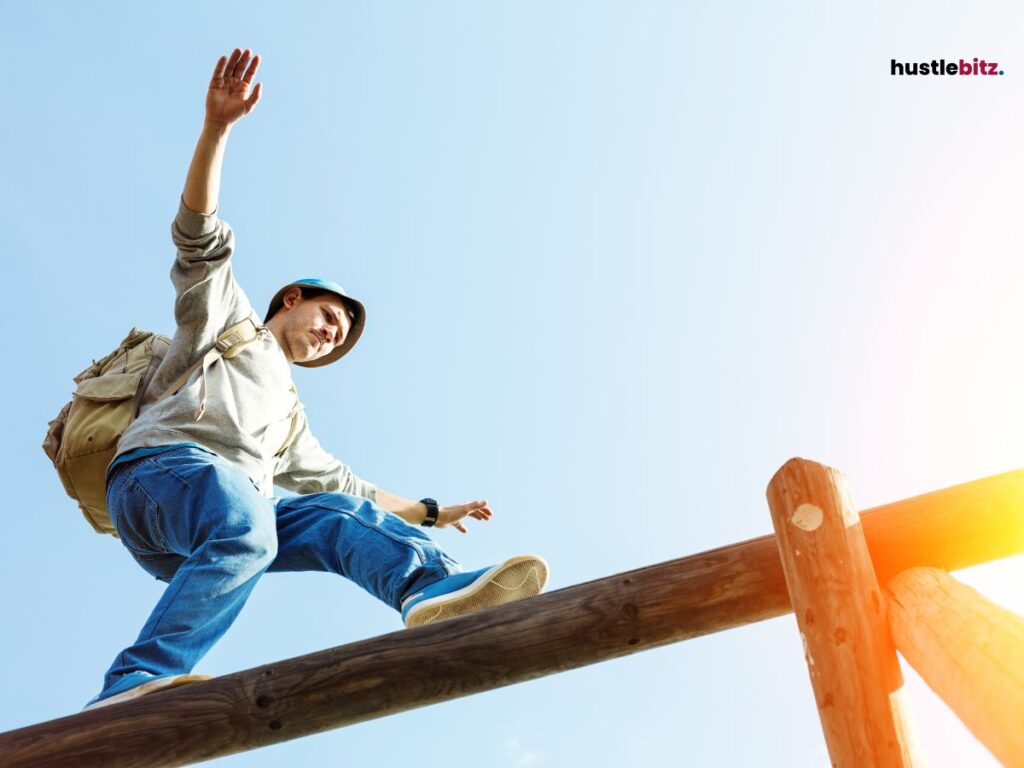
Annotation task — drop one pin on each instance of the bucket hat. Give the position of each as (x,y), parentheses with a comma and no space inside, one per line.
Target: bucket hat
(355,310)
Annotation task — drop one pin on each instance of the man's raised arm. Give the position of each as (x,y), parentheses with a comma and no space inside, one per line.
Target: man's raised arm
(227,100)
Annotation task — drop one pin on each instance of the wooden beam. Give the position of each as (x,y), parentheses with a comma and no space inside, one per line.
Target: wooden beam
(852,663)
(553,632)
(968,649)
(952,528)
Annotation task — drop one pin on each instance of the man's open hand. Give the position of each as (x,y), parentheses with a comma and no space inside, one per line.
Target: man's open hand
(452,515)
(228,98)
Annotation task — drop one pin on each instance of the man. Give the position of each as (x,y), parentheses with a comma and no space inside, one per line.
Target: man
(190,491)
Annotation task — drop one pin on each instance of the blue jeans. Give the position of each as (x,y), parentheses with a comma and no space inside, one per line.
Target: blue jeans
(199,524)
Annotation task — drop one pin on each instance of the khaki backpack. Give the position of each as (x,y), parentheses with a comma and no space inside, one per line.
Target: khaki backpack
(82,441)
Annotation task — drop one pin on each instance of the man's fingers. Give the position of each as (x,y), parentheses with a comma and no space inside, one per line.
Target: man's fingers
(254,98)
(251,72)
(461,527)
(239,68)
(218,70)
(475,508)
(229,67)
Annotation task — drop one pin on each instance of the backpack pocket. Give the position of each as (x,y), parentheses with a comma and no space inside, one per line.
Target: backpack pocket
(100,412)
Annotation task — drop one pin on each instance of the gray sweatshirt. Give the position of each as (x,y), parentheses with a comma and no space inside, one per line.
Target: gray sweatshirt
(249,398)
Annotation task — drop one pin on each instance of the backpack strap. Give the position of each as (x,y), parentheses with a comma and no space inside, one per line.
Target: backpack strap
(228,345)
(293,431)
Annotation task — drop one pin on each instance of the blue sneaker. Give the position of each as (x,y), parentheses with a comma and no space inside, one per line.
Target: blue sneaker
(518,577)
(136,684)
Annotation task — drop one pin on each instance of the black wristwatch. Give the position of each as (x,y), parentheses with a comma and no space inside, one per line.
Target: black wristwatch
(431,517)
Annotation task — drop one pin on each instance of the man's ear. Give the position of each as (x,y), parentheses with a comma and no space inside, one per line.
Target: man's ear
(291,297)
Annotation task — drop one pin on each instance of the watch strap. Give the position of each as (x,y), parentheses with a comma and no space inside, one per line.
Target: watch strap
(432,511)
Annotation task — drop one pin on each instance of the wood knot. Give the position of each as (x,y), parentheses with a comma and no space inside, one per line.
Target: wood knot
(629,611)
(807,517)
(840,635)
(809,618)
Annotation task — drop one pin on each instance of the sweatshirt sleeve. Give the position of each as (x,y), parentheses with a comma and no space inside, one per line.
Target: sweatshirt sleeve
(207,297)
(307,468)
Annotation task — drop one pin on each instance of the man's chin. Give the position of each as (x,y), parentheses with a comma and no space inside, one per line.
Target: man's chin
(313,353)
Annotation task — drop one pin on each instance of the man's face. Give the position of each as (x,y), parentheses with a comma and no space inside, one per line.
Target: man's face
(311,328)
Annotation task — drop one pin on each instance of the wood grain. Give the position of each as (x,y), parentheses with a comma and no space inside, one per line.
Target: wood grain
(969,650)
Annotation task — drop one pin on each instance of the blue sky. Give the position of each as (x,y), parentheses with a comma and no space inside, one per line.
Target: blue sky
(620,262)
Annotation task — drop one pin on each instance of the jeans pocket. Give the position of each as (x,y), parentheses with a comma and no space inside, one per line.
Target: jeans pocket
(135,516)
(161,566)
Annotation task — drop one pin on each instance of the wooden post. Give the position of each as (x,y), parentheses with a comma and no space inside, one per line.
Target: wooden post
(968,649)
(853,665)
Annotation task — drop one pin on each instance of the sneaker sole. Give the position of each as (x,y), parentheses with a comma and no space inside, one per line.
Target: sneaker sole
(160,684)
(517,578)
